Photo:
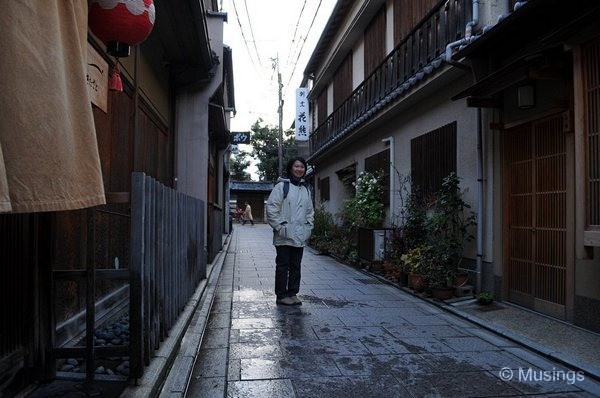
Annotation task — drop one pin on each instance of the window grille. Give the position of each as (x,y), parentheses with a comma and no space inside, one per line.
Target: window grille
(322,107)
(591,72)
(324,189)
(407,13)
(375,42)
(433,157)
(342,82)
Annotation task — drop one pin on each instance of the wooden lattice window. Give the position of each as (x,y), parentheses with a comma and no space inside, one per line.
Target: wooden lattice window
(375,42)
(342,82)
(322,107)
(324,189)
(407,14)
(433,157)
(591,74)
(381,162)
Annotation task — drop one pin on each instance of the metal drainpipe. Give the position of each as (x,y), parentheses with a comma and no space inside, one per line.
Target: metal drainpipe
(390,140)
(468,32)
(474,22)
(479,238)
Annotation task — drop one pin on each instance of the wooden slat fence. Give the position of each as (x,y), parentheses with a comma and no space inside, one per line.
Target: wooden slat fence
(216,227)
(16,299)
(408,62)
(168,261)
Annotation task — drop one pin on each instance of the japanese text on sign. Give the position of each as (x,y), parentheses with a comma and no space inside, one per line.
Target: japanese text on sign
(240,137)
(301,114)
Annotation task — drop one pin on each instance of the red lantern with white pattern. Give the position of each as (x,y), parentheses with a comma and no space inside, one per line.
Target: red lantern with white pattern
(121,23)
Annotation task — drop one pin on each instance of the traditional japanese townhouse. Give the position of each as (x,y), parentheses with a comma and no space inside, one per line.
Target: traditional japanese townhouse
(424,88)
(155,153)
(536,80)
(380,94)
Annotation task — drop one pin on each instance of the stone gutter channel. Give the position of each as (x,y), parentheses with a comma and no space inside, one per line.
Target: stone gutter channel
(171,368)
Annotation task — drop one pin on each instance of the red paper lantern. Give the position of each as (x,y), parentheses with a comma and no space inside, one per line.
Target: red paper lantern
(121,23)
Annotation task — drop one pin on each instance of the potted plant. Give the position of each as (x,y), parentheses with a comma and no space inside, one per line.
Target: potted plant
(322,233)
(396,249)
(410,239)
(366,209)
(485,298)
(414,261)
(460,278)
(438,273)
(448,229)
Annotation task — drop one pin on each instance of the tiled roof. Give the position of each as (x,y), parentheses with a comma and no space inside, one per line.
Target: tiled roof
(250,186)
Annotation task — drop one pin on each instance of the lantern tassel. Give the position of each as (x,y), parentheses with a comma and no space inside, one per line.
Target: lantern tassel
(115,82)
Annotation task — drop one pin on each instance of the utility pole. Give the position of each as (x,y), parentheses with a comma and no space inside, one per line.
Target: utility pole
(280,111)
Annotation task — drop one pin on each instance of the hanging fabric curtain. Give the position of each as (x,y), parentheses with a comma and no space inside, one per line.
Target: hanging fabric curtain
(48,150)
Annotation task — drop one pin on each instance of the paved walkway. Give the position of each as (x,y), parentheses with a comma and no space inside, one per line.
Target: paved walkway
(354,336)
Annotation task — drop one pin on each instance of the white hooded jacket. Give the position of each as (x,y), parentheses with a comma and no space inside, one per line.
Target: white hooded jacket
(291,218)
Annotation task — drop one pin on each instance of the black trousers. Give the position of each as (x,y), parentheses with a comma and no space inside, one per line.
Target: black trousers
(287,270)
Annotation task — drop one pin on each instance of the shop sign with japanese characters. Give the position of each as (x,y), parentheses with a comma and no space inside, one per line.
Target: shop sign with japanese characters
(301,121)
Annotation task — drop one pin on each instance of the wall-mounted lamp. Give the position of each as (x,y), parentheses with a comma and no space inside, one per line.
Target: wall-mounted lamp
(526,96)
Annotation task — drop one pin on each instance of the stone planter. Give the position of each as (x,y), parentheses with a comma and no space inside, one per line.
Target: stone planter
(442,293)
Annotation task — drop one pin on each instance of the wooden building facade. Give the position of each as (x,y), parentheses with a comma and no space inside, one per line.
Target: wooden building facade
(65,273)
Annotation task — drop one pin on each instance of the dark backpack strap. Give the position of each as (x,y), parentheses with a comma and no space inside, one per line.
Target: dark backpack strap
(286,188)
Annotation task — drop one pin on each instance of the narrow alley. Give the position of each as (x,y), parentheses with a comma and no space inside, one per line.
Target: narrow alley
(353,336)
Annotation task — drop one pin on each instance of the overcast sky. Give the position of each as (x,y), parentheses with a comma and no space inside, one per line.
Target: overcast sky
(259,31)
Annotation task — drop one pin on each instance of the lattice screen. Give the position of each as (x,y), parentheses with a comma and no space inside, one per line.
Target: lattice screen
(591,65)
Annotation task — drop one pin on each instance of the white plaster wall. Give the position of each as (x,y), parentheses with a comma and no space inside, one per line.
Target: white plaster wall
(192,144)
(329,100)
(427,115)
(191,121)
(490,11)
(492,204)
(358,64)
(389,26)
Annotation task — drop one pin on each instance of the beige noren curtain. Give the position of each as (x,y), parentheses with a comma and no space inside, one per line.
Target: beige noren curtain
(48,150)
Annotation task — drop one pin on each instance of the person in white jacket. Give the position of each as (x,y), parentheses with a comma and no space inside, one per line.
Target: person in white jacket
(290,213)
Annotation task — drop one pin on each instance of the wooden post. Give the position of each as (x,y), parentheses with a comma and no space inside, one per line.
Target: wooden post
(90,299)
(136,301)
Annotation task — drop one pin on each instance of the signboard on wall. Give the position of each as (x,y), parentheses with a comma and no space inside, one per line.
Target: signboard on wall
(96,78)
(301,121)
(240,137)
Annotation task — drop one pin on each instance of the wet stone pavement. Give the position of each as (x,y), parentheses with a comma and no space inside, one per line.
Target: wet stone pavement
(354,336)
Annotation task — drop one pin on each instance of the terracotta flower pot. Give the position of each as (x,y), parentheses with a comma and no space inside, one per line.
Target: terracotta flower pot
(416,282)
(460,279)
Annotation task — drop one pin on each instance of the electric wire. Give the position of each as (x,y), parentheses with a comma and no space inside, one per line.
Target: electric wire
(252,33)
(292,46)
(303,42)
(237,15)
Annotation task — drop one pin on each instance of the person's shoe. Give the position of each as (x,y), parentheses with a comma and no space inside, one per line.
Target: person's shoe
(286,301)
(296,300)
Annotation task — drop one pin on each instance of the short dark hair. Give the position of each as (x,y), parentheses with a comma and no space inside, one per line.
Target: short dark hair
(291,162)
